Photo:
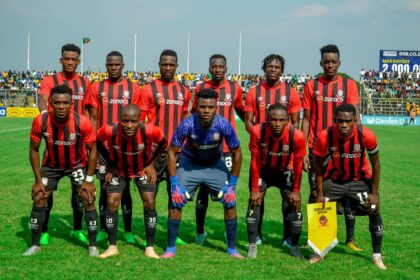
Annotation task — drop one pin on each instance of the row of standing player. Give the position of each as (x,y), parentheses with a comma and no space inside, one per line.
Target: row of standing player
(165,103)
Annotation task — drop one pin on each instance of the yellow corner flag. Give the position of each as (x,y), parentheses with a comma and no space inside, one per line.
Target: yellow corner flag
(322,227)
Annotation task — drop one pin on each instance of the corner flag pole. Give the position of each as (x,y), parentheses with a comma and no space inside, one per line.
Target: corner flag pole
(135,52)
(240,53)
(188,54)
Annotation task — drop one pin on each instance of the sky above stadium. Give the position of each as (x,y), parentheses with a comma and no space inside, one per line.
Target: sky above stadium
(293,29)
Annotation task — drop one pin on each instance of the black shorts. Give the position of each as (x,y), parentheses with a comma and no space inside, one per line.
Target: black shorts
(282,180)
(118,184)
(355,192)
(100,172)
(311,174)
(160,167)
(50,177)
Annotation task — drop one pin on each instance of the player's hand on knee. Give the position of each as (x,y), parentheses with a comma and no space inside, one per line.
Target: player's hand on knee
(228,195)
(179,194)
(150,172)
(38,187)
(110,173)
(88,192)
(295,200)
(372,202)
(306,164)
(255,198)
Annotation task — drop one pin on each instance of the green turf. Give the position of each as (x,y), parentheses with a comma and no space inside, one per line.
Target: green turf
(66,259)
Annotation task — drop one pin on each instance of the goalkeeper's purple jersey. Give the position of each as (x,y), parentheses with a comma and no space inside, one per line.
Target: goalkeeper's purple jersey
(204,145)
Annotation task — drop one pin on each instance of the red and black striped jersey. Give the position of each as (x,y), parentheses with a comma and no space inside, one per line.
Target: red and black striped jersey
(129,155)
(81,89)
(276,153)
(260,97)
(230,99)
(322,97)
(348,158)
(64,142)
(164,104)
(110,98)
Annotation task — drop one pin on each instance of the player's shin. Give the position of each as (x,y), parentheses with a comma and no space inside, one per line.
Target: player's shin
(201,209)
(91,219)
(252,220)
(37,221)
(296,226)
(376,231)
(111,219)
(150,222)
(173,228)
(77,206)
(48,208)
(350,224)
(127,208)
(102,206)
(231,227)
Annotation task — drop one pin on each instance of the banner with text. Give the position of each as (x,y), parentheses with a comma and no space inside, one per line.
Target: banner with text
(399,61)
(389,120)
(19,112)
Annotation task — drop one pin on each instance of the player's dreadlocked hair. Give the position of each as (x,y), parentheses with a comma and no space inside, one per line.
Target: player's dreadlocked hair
(115,53)
(330,49)
(61,89)
(214,56)
(277,106)
(272,57)
(345,107)
(207,93)
(169,53)
(70,48)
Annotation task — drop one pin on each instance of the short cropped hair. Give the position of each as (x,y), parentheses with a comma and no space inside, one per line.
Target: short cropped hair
(169,53)
(61,89)
(70,48)
(207,93)
(330,49)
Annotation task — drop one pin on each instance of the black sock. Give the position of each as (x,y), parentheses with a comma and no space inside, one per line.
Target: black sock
(260,220)
(127,207)
(102,207)
(296,226)
(350,225)
(201,209)
(376,231)
(173,228)
(48,208)
(286,209)
(252,219)
(37,220)
(231,227)
(77,206)
(150,222)
(91,219)
(112,226)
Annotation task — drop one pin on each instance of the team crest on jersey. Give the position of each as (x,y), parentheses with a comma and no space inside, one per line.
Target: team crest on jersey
(117,148)
(316,92)
(283,99)
(356,148)
(72,136)
(102,94)
(285,148)
(180,96)
(126,94)
(228,97)
(216,136)
(333,149)
(340,93)
(140,147)
(81,90)
(44,181)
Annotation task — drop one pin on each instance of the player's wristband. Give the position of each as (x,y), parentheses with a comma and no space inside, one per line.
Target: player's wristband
(233,180)
(89,179)
(173,180)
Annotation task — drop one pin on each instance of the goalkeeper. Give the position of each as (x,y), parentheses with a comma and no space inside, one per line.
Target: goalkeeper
(201,163)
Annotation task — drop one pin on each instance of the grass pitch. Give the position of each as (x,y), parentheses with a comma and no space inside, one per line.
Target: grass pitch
(66,259)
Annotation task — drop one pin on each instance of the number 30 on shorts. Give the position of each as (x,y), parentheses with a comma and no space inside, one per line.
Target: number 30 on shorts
(78,175)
